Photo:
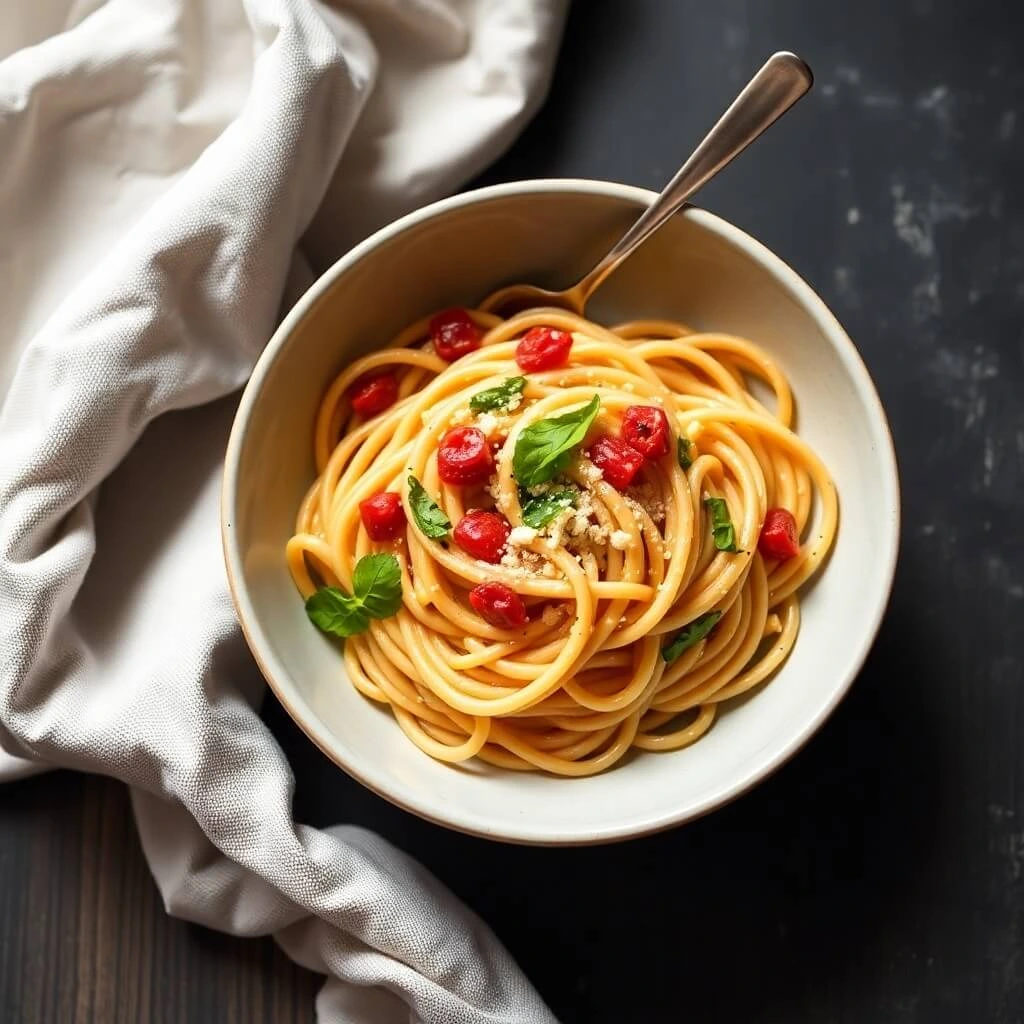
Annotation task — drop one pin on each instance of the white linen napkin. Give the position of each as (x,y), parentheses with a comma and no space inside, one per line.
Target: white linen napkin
(161,162)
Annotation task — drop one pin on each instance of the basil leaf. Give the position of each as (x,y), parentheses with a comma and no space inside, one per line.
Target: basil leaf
(683,446)
(539,511)
(544,448)
(690,635)
(331,610)
(429,518)
(377,582)
(721,525)
(501,397)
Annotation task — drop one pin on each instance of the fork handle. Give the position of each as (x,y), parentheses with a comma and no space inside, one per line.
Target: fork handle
(782,80)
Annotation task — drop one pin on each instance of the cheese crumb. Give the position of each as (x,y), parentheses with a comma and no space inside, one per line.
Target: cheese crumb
(521,535)
(590,472)
(620,540)
(550,616)
(555,530)
(580,516)
(647,498)
(460,416)
(487,423)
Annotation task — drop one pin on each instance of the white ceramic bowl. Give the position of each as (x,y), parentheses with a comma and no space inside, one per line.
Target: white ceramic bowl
(698,269)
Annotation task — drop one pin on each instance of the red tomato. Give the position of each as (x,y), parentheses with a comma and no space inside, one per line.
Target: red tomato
(464,457)
(483,535)
(645,428)
(619,462)
(543,348)
(454,334)
(383,515)
(498,605)
(779,538)
(372,394)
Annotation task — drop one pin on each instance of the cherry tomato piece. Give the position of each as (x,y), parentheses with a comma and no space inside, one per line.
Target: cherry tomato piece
(371,394)
(645,428)
(543,348)
(382,515)
(779,538)
(618,461)
(498,605)
(483,535)
(454,334)
(464,457)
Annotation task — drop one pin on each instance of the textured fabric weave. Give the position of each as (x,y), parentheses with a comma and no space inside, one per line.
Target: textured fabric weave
(170,169)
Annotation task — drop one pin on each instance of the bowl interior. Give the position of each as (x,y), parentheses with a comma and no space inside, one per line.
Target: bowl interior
(697,269)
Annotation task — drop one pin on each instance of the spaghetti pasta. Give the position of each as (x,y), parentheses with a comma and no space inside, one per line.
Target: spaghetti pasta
(641,599)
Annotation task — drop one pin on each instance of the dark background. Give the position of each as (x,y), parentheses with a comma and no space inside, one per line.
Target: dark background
(878,876)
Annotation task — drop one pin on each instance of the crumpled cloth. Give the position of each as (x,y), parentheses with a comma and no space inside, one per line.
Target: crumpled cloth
(169,172)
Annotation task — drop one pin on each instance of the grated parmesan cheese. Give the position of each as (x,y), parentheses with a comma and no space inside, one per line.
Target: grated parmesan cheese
(581,514)
(579,525)
(521,535)
(522,563)
(513,562)
(487,422)
(647,498)
(634,506)
(620,540)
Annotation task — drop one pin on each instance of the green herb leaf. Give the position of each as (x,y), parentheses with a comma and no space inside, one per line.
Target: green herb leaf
(429,518)
(332,610)
(544,448)
(501,397)
(690,635)
(683,446)
(721,525)
(377,582)
(539,511)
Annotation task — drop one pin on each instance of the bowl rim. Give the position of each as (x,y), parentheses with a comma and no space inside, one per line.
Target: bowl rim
(468,822)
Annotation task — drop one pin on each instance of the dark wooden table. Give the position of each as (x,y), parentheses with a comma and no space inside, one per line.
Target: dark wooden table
(880,875)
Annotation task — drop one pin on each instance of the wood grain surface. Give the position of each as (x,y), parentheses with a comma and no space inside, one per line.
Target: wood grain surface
(84,938)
